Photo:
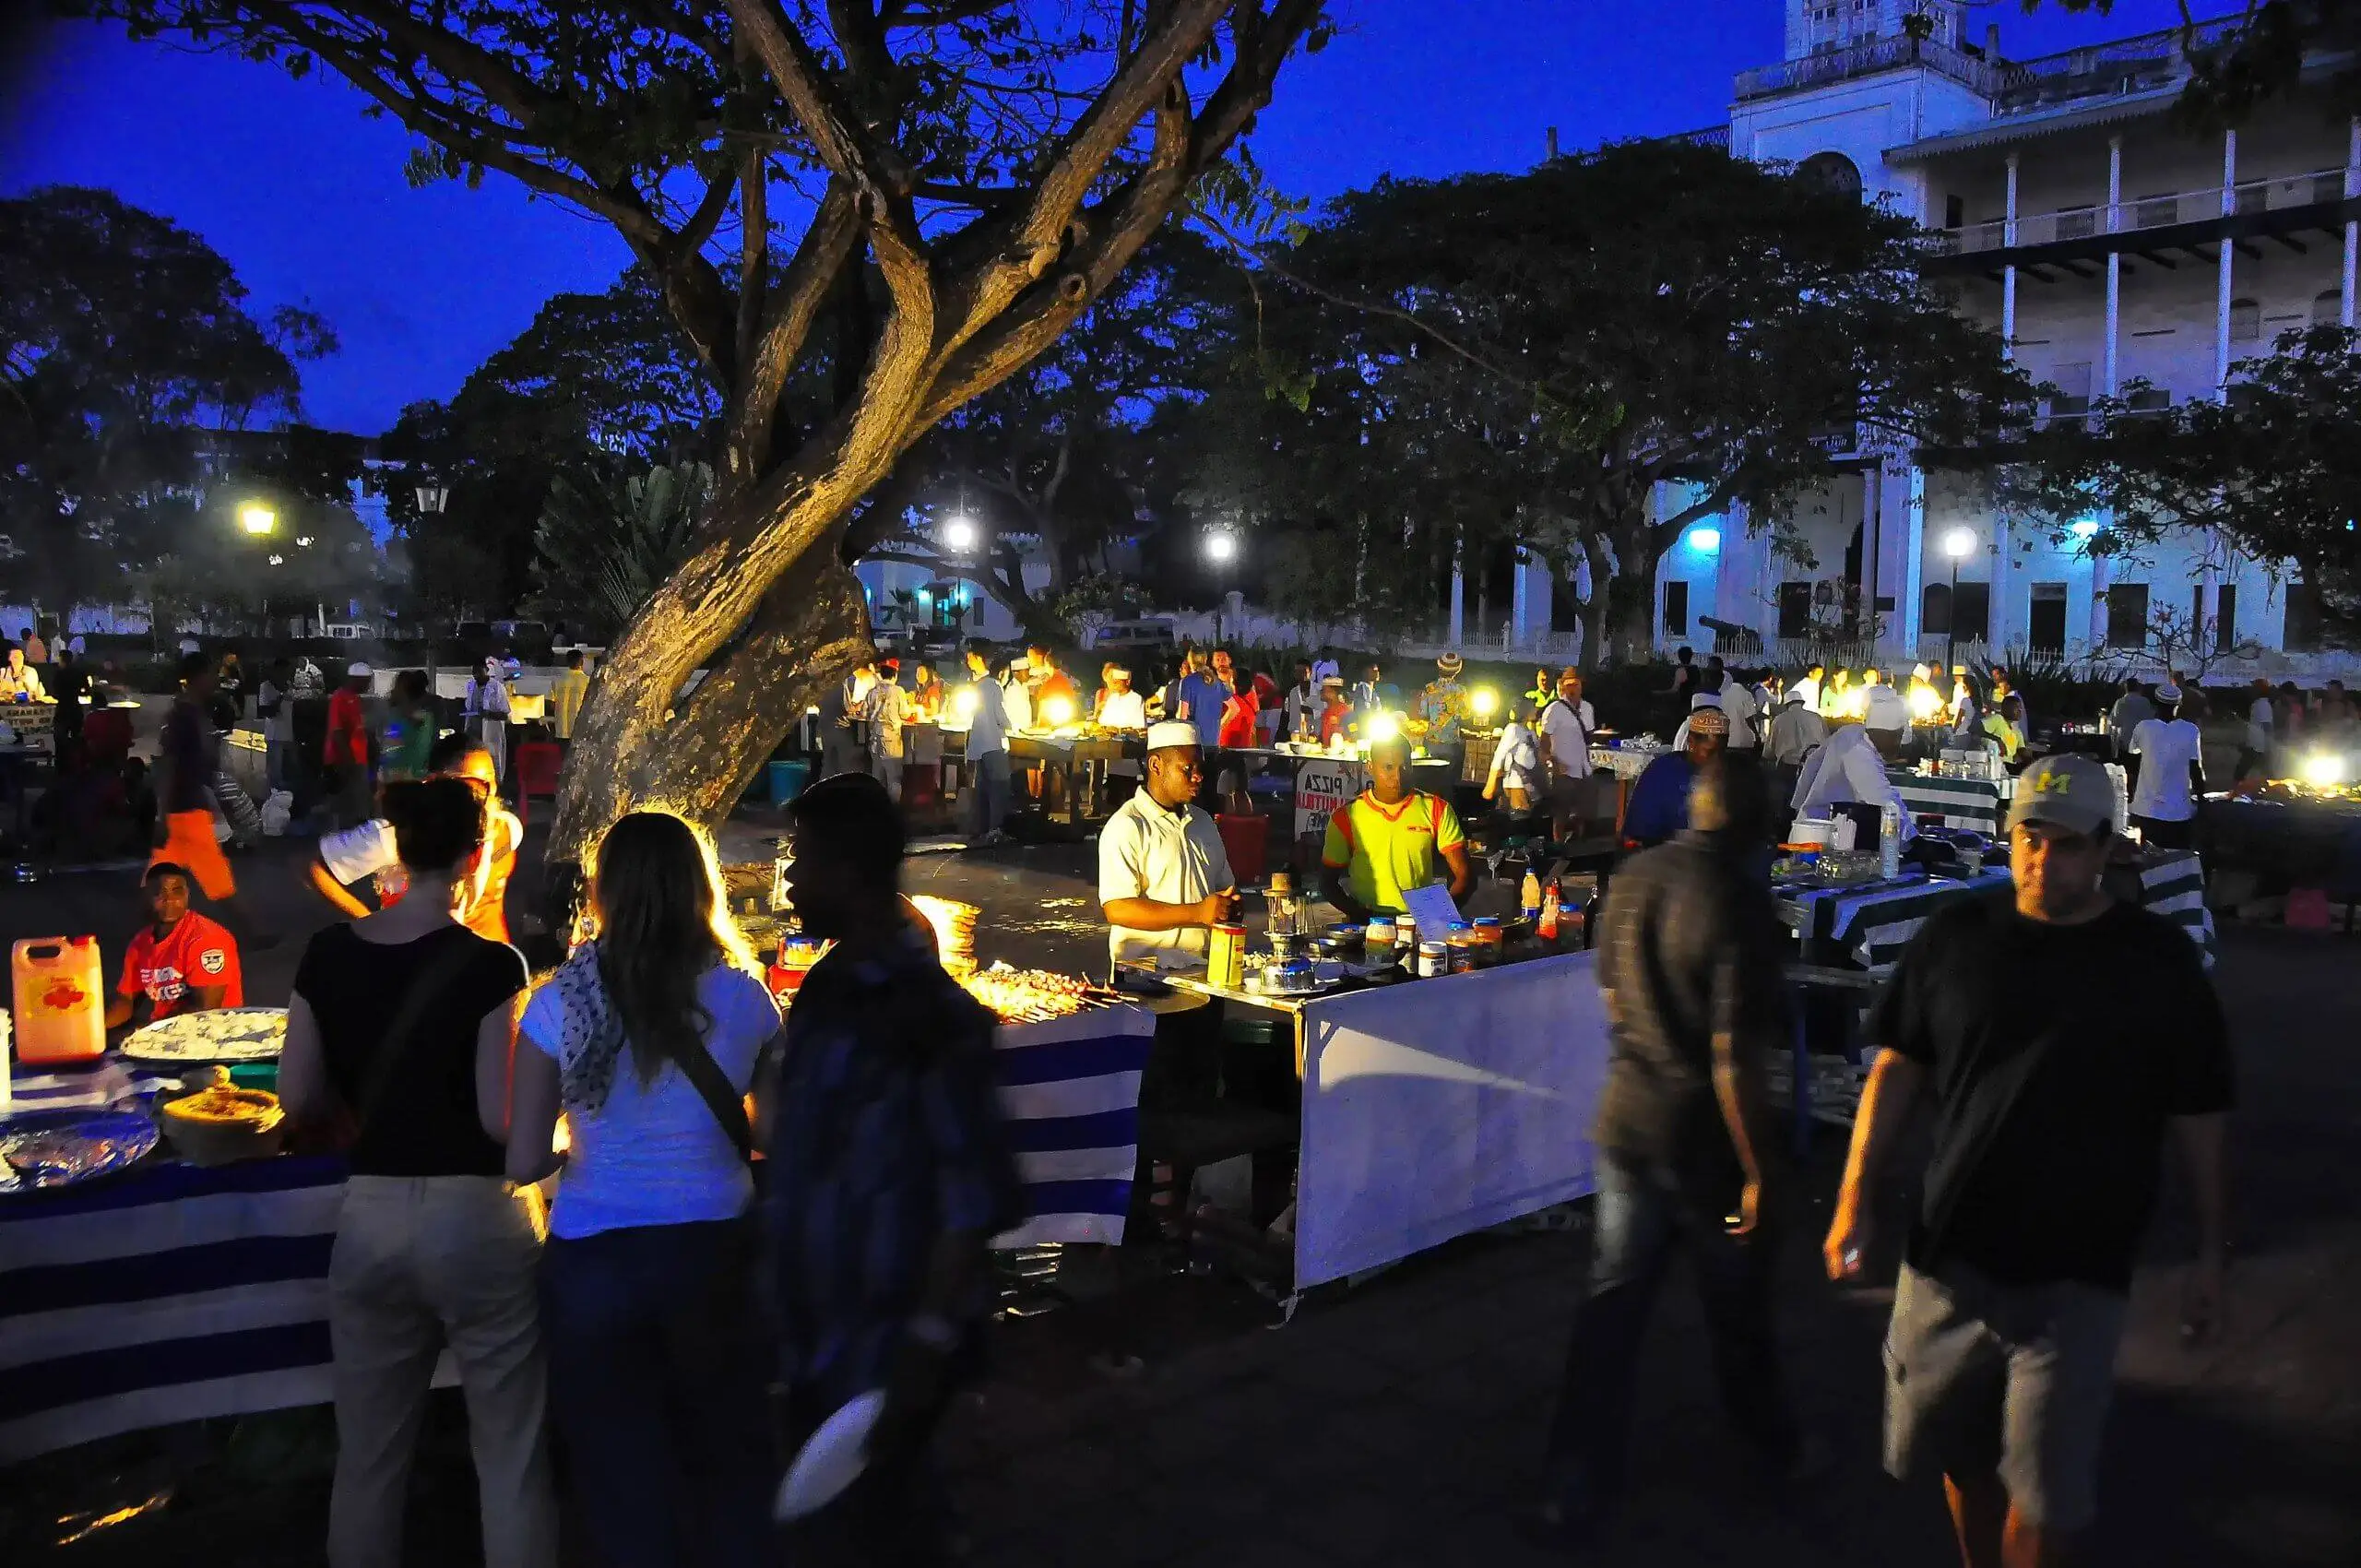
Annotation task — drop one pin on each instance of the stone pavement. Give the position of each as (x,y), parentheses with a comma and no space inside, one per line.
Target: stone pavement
(1397,1423)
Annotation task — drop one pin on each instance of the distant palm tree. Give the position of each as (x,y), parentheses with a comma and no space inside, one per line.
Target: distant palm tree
(604,547)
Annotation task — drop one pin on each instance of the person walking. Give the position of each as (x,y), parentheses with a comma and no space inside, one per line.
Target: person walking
(485,711)
(344,755)
(987,750)
(1690,963)
(2169,754)
(889,1173)
(188,761)
(1564,729)
(566,692)
(2053,1096)
(648,1038)
(887,709)
(391,1022)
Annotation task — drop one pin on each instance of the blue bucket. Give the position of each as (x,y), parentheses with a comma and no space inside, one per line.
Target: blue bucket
(787,779)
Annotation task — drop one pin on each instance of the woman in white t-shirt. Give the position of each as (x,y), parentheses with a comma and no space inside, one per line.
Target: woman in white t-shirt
(1516,763)
(649,1038)
(2172,771)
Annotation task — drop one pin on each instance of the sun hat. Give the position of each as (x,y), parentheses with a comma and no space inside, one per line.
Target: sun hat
(1173,733)
(1449,664)
(2068,790)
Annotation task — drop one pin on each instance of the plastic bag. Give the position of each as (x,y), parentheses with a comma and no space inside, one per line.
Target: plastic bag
(277,812)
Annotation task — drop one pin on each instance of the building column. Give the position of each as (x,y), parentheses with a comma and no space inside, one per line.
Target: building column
(2228,254)
(2004,560)
(1872,542)
(1458,595)
(2114,261)
(1910,585)
(1517,600)
(2209,604)
(2009,273)
(2351,230)
(2101,578)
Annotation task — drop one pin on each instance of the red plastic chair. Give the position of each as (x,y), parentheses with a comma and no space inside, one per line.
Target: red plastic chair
(535,768)
(1246,840)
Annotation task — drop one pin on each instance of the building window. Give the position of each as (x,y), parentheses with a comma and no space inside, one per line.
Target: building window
(2246,321)
(1935,610)
(2046,626)
(2302,633)
(1832,172)
(1676,606)
(2328,307)
(2226,618)
(2072,394)
(1954,212)
(2127,615)
(1795,610)
(2149,400)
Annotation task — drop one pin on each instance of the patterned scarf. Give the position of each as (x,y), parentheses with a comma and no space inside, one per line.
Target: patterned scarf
(591,1039)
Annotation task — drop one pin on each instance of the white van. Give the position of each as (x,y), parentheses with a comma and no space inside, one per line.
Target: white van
(1131,637)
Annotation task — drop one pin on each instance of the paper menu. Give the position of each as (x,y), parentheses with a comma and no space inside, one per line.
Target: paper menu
(1431,906)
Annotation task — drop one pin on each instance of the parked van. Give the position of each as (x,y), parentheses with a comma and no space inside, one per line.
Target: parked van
(1128,636)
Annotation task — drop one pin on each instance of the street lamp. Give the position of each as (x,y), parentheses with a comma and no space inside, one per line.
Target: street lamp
(432,498)
(1221,548)
(258,519)
(959,534)
(1956,545)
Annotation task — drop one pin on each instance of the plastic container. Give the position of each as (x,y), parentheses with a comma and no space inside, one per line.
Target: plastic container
(787,779)
(1462,945)
(1489,941)
(1379,939)
(1434,959)
(796,956)
(60,1000)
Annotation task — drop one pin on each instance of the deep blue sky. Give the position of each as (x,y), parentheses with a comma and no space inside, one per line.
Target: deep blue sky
(307,197)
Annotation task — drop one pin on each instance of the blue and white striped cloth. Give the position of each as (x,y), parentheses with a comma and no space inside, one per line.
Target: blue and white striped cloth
(175,1293)
(1071,1089)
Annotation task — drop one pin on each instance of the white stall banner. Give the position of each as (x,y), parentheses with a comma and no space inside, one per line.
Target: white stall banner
(1439,1107)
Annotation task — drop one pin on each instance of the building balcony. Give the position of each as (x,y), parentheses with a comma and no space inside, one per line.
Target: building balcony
(1869,59)
(2278,207)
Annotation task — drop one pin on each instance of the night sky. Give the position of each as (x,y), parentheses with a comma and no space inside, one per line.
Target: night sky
(306,198)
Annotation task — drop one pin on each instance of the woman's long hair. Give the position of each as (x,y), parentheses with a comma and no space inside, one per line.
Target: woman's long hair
(663,922)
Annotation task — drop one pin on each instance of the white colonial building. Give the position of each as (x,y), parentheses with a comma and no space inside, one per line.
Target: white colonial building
(2104,245)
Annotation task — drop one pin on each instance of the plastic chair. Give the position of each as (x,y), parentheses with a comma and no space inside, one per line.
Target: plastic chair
(1246,841)
(535,768)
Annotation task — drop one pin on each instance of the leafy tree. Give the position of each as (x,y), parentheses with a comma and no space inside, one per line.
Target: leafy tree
(602,551)
(1500,360)
(1059,461)
(2275,471)
(125,346)
(2259,52)
(978,172)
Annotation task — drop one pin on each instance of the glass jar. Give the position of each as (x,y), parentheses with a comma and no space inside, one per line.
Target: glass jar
(1434,959)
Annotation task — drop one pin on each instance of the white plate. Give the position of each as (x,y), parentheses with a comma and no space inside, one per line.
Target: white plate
(831,1460)
(225,1034)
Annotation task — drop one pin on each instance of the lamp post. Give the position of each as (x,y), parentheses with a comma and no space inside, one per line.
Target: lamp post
(1221,548)
(432,498)
(959,543)
(258,519)
(1956,545)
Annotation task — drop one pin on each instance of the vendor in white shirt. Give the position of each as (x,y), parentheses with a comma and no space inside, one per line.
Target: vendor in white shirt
(1120,708)
(1564,728)
(2172,773)
(1851,766)
(1163,875)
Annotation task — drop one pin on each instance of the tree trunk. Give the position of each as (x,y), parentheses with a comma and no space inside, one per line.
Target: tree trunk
(1627,614)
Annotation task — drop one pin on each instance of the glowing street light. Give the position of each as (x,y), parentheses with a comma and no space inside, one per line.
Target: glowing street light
(959,534)
(258,519)
(1482,701)
(1705,541)
(1221,547)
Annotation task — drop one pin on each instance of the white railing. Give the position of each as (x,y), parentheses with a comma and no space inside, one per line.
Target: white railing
(2267,195)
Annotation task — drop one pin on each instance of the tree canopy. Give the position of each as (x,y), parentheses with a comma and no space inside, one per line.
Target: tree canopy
(947,185)
(125,346)
(1520,360)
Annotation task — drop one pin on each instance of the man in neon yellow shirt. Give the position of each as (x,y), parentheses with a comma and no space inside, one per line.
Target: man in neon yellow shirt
(1390,838)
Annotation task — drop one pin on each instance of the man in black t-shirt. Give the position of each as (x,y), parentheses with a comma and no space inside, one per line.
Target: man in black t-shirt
(1689,959)
(2053,1091)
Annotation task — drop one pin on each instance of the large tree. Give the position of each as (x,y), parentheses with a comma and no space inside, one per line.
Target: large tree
(2273,471)
(1570,338)
(126,348)
(946,184)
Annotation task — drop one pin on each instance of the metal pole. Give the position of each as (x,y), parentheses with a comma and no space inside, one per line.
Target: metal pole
(1951,626)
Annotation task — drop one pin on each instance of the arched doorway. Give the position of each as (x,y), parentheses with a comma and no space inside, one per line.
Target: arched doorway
(1832,172)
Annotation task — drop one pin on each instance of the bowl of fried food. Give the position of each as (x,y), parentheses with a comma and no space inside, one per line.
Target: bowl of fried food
(220,1124)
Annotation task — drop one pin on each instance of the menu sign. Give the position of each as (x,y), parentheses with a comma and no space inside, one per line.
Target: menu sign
(1321,788)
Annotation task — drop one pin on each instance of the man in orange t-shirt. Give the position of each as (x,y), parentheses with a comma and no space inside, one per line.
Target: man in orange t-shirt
(180,961)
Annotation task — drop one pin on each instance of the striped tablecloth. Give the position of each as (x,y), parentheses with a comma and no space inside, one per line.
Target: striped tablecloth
(1872,926)
(1976,804)
(173,1293)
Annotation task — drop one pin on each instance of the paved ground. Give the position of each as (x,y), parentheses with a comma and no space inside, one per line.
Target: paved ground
(1395,1423)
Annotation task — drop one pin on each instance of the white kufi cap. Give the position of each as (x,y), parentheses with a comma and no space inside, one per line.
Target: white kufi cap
(1173,733)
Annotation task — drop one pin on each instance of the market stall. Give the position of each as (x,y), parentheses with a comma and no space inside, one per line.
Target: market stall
(1437,1107)
(1979,805)
(1298,787)
(1869,923)
(1073,769)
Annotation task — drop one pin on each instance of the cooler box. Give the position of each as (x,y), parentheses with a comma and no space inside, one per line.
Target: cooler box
(1244,839)
(59,1001)
(787,779)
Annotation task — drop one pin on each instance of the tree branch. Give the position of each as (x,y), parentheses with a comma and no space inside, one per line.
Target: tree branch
(844,147)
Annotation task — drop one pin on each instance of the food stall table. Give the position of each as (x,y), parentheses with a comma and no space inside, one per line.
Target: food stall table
(1438,1107)
(1080,764)
(1626,764)
(1979,805)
